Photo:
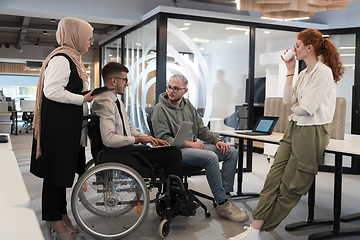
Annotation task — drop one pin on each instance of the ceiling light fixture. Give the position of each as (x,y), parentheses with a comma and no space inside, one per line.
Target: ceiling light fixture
(290,9)
(200,40)
(294,19)
(246,30)
(184,28)
(343,48)
(269,18)
(187,24)
(237,28)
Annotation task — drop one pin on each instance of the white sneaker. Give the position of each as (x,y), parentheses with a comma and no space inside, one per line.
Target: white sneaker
(231,211)
(230,200)
(249,234)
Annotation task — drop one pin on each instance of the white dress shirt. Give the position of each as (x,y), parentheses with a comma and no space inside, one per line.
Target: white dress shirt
(57,75)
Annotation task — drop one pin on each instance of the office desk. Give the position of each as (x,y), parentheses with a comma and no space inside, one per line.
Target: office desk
(19,223)
(6,146)
(273,138)
(337,147)
(14,192)
(14,114)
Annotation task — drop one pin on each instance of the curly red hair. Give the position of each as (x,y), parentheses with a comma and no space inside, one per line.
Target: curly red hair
(324,48)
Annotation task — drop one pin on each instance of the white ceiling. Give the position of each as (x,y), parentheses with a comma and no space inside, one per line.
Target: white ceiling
(109,15)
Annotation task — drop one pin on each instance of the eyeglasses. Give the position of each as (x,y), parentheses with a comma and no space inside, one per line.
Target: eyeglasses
(125,79)
(91,40)
(174,89)
(297,46)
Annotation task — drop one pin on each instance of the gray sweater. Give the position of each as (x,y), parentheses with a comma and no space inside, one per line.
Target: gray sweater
(167,118)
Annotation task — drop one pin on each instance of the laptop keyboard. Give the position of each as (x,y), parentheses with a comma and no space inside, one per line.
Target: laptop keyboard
(253,133)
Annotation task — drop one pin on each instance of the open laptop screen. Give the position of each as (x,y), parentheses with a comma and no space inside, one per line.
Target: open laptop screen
(264,125)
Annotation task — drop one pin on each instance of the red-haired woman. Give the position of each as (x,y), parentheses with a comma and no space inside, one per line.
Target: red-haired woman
(312,100)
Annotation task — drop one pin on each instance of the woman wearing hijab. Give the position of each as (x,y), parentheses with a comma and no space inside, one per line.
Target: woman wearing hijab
(312,100)
(58,146)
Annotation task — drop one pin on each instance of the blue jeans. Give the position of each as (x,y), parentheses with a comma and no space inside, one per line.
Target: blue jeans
(209,158)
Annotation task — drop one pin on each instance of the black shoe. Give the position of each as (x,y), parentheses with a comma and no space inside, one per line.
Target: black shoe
(192,203)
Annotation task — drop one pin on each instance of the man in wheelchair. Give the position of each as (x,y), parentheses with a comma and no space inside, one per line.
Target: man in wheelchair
(117,132)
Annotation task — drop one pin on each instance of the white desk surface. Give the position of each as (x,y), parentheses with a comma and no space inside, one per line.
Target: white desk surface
(345,147)
(14,192)
(6,146)
(19,223)
(273,138)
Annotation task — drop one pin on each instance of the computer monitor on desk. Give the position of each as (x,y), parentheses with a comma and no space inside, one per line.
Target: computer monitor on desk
(27,105)
(242,115)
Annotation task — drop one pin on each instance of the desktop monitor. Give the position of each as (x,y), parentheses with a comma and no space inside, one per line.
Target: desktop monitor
(259,90)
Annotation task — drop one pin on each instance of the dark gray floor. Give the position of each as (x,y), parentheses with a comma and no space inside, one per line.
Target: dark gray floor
(215,227)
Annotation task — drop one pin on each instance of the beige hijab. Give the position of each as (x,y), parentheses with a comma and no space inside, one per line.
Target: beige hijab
(72,34)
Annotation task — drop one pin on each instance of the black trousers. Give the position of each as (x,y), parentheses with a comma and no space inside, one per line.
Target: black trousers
(168,157)
(54,197)
(53,202)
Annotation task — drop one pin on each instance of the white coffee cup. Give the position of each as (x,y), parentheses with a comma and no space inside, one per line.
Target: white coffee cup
(289,54)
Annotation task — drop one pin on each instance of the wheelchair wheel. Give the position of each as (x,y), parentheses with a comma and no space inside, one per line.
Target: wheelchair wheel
(90,164)
(110,201)
(164,228)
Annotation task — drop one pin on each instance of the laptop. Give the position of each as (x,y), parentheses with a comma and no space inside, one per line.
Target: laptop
(264,126)
(181,135)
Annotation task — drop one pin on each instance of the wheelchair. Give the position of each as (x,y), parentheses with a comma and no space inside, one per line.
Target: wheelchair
(111,199)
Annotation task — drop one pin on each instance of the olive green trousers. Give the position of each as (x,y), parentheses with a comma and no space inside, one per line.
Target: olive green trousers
(292,173)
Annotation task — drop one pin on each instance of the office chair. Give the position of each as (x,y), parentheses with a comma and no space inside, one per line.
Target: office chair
(27,117)
(28,108)
(189,171)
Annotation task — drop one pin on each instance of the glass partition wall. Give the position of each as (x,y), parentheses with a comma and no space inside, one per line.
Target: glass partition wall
(140,58)
(112,52)
(214,58)
(229,65)
(137,51)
